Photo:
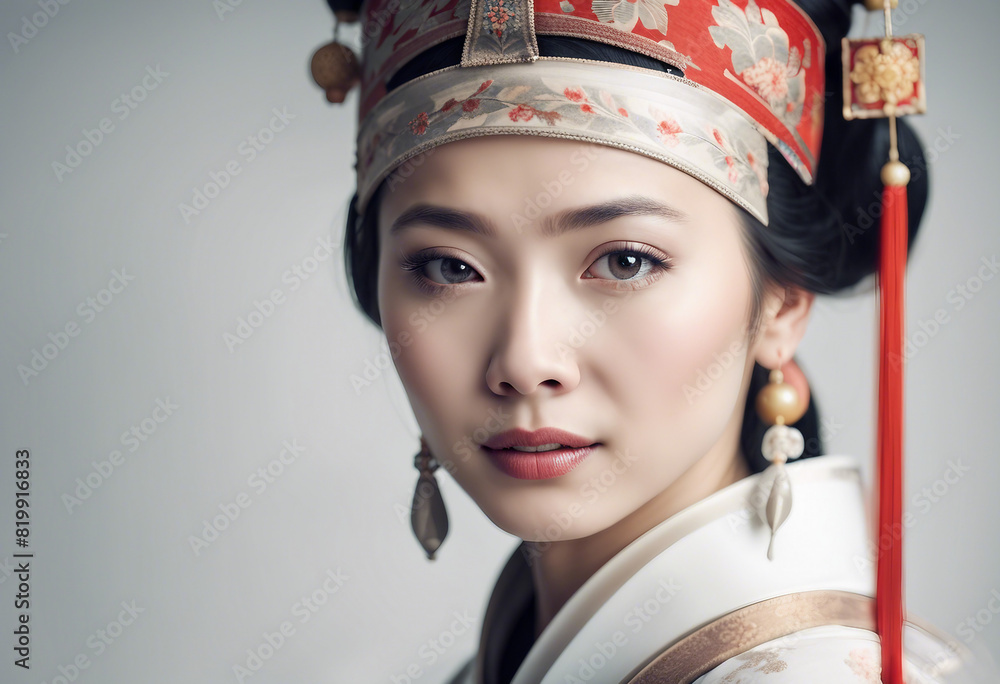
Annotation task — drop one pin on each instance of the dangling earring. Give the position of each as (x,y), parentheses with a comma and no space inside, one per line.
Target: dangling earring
(428,516)
(778,404)
(334,66)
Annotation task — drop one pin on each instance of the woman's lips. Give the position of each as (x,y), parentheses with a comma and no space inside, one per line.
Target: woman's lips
(539,465)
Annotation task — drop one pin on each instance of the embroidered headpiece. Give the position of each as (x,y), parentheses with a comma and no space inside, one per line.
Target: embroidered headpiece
(753,74)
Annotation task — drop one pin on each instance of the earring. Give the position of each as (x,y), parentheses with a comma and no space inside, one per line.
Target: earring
(334,66)
(428,516)
(778,404)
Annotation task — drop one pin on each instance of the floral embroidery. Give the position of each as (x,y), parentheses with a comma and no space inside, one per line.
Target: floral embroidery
(419,125)
(733,173)
(577,95)
(761,55)
(498,15)
(624,106)
(669,129)
(624,14)
(525,112)
(499,28)
(760,170)
(521,113)
(769,78)
(766,51)
(863,663)
(764,662)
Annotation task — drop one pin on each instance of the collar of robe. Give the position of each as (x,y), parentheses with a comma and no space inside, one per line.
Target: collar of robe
(700,564)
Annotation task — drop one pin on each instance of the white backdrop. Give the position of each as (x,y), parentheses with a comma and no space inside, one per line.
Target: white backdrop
(146,423)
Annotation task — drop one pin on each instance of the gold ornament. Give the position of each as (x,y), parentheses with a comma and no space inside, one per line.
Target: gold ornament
(895,173)
(778,402)
(887,73)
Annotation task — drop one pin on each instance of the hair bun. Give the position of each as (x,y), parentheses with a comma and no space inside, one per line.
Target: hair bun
(847,216)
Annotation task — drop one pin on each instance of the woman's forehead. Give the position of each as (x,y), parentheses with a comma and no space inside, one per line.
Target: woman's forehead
(530,177)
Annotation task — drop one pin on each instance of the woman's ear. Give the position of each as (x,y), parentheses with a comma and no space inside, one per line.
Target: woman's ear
(786,314)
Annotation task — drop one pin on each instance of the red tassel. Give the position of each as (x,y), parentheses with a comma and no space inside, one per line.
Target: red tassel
(889,577)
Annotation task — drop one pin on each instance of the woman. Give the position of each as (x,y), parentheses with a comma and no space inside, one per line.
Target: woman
(586,269)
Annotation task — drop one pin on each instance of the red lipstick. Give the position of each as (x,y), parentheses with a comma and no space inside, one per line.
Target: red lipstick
(561,451)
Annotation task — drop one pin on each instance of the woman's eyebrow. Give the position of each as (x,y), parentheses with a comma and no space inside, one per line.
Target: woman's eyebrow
(551,226)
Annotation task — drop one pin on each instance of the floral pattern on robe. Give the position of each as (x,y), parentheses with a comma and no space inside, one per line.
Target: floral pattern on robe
(831,655)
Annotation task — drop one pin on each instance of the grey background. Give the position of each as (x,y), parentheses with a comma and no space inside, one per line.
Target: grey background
(342,503)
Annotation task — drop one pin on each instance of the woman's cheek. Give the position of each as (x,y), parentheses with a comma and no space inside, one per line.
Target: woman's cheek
(435,357)
(690,342)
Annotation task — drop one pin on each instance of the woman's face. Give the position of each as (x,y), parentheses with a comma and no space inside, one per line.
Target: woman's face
(547,283)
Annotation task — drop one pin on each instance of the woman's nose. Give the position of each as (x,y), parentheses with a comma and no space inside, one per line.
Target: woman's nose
(531,348)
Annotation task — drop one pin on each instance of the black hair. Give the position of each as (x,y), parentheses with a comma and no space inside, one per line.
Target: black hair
(821,237)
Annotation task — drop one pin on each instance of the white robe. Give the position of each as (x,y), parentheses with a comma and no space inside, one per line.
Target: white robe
(706,568)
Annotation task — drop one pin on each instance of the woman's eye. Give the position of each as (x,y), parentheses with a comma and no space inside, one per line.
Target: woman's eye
(448,271)
(623,265)
(434,271)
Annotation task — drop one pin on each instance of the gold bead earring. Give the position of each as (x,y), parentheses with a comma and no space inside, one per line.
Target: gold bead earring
(778,404)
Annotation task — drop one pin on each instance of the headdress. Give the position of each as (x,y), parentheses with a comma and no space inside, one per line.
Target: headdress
(753,75)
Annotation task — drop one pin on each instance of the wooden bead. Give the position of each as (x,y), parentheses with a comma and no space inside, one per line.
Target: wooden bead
(778,403)
(336,70)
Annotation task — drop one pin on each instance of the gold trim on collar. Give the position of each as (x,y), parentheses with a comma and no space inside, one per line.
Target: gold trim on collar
(741,630)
